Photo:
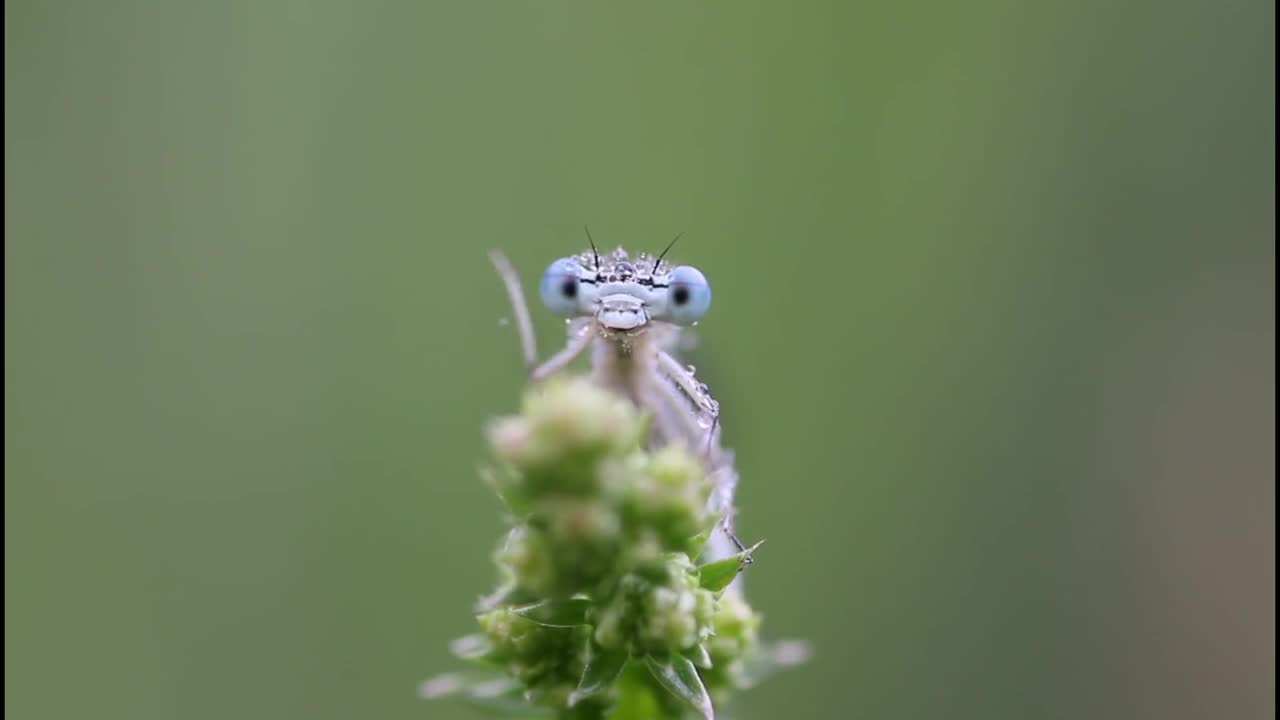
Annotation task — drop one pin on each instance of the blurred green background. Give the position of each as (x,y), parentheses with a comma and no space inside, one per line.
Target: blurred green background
(993,333)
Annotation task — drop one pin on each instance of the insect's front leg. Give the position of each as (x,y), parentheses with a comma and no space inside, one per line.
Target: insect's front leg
(580,337)
(524,326)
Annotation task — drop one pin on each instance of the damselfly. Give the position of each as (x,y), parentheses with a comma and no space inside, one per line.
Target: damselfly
(629,312)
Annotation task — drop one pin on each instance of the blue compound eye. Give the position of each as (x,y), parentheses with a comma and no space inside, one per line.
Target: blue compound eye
(560,288)
(688,295)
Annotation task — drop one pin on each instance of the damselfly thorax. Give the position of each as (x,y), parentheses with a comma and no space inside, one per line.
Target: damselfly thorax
(629,313)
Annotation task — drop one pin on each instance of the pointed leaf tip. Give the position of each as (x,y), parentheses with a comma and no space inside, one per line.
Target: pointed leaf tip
(678,675)
(716,576)
(556,613)
(699,656)
(603,667)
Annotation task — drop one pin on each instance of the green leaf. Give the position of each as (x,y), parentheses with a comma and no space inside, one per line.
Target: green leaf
(556,613)
(637,697)
(699,656)
(680,677)
(603,667)
(717,575)
(501,486)
(699,541)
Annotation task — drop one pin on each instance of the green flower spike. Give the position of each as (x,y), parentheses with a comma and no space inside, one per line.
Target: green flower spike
(602,612)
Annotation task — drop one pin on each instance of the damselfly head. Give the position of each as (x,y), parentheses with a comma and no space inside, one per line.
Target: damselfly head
(624,294)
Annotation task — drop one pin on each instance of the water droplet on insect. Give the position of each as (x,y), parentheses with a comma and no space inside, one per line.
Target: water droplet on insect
(693,370)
